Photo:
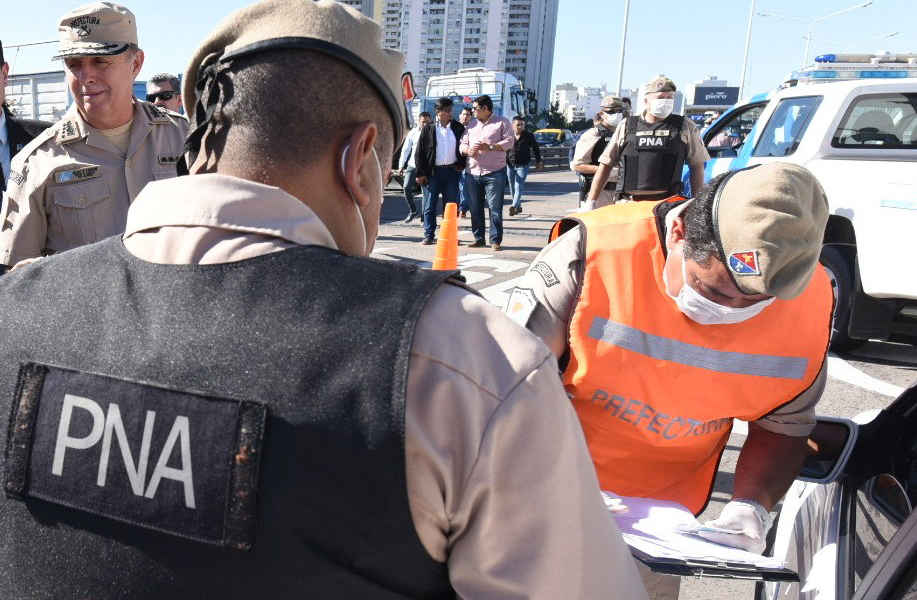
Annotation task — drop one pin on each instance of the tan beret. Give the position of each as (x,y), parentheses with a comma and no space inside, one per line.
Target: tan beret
(770,220)
(660,84)
(96,29)
(320,26)
(612,101)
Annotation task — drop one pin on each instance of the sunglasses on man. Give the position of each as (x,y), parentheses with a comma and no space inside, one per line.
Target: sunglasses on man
(166,96)
(612,111)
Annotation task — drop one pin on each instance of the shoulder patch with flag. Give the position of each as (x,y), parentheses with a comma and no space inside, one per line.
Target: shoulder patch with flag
(744,263)
(521,305)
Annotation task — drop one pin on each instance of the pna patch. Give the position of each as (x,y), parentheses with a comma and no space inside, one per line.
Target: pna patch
(174,461)
(744,263)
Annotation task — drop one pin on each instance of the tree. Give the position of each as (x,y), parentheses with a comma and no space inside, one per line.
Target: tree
(550,118)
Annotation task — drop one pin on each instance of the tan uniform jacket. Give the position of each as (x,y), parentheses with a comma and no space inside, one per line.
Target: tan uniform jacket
(500,484)
(582,153)
(554,279)
(71,186)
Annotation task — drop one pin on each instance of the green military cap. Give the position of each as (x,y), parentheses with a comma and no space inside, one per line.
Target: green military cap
(612,101)
(770,223)
(319,26)
(660,84)
(96,29)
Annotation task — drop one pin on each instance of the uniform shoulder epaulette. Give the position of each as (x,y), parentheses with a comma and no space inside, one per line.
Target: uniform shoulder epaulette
(157,114)
(68,130)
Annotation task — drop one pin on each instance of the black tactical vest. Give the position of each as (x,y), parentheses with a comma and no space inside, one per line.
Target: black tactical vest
(604,136)
(209,431)
(653,155)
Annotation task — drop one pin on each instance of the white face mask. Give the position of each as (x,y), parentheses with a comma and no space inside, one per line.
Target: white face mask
(613,119)
(366,247)
(707,312)
(662,107)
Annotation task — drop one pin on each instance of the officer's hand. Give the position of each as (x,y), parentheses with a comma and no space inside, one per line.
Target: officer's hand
(739,516)
(539,167)
(26,262)
(421,180)
(613,503)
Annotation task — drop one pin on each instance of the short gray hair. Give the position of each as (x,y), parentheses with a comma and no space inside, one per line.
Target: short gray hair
(166,78)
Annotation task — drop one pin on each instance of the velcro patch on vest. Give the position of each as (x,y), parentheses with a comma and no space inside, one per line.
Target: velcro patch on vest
(168,160)
(81,174)
(521,305)
(173,461)
(744,263)
(16,177)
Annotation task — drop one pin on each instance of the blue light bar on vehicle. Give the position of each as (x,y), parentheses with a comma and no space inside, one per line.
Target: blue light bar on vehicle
(825,58)
(882,74)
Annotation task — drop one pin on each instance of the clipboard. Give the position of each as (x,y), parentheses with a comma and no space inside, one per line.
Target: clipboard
(650,530)
(704,568)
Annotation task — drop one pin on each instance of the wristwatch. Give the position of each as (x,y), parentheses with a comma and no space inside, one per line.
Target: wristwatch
(490,146)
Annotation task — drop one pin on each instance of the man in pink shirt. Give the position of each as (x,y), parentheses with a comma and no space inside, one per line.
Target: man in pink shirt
(485,142)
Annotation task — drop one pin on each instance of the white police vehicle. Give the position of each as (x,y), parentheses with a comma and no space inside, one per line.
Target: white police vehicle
(852,121)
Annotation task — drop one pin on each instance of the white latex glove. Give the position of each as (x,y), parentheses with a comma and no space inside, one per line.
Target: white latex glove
(741,515)
(613,503)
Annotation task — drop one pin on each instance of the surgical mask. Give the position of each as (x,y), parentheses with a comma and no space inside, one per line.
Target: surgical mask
(613,119)
(355,203)
(662,107)
(707,312)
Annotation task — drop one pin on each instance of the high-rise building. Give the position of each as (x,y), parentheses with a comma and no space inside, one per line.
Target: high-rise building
(443,36)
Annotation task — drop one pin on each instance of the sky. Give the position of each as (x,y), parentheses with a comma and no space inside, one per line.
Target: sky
(686,41)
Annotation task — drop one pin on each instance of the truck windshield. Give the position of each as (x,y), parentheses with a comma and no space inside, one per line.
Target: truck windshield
(458,103)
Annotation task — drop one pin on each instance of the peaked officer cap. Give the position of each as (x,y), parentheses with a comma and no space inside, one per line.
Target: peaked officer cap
(96,29)
(770,223)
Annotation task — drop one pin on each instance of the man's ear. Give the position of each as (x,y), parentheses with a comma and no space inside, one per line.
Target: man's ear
(138,62)
(676,233)
(358,161)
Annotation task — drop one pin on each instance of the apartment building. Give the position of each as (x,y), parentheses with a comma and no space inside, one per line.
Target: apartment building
(443,36)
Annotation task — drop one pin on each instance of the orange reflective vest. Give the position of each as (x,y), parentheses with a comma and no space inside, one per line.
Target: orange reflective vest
(656,392)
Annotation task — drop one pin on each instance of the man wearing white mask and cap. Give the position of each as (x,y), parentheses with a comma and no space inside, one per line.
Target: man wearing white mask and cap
(232,400)
(590,147)
(72,185)
(670,319)
(651,149)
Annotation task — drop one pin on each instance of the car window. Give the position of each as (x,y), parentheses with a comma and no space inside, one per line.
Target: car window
(879,121)
(874,526)
(786,126)
(731,132)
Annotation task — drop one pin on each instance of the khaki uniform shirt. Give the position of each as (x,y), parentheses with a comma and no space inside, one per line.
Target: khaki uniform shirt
(582,153)
(697,153)
(71,186)
(500,484)
(554,278)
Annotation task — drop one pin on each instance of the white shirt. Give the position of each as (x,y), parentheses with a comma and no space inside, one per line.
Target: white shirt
(445,145)
(5,154)
(409,150)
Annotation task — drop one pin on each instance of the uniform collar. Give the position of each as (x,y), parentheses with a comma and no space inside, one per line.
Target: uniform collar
(73,127)
(4,135)
(227,203)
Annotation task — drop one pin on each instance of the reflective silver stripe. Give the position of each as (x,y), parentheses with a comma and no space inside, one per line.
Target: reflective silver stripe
(654,346)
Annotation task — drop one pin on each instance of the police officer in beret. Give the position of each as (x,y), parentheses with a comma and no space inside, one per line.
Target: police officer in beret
(590,147)
(651,149)
(232,400)
(673,318)
(72,185)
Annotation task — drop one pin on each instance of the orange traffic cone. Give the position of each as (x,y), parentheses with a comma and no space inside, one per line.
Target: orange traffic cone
(446,257)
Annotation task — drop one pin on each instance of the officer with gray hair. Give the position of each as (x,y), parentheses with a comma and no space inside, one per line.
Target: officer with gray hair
(232,400)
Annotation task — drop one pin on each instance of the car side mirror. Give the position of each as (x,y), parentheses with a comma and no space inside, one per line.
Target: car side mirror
(887,494)
(829,447)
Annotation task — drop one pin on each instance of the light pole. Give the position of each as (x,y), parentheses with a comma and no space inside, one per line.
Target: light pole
(623,43)
(878,37)
(805,58)
(751,15)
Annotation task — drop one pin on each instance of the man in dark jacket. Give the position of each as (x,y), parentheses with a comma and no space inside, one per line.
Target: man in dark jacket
(14,132)
(518,160)
(439,164)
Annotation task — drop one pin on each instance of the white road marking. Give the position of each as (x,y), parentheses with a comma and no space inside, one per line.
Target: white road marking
(841,370)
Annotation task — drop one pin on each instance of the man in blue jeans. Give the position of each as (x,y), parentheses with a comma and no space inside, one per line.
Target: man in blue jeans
(407,168)
(485,143)
(465,119)
(518,160)
(439,164)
